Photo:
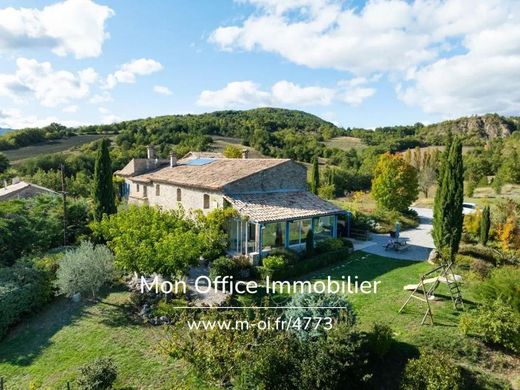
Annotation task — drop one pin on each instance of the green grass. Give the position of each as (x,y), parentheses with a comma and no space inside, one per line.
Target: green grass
(55,146)
(48,349)
(345,143)
(220,143)
(484,363)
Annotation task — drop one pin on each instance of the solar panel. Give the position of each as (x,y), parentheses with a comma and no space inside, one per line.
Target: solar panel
(200,161)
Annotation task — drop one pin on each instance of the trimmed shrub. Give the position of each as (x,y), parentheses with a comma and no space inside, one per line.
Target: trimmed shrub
(328,245)
(496,323)
(290,256)
(23,289)
(309,243)
(98,375)
(238,267)
(432,371)
(305,266)
(274,262)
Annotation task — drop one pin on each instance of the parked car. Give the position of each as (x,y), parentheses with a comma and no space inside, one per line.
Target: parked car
(468,208)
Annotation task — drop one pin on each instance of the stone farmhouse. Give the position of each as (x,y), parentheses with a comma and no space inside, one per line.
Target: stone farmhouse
(274,205)
(21,189)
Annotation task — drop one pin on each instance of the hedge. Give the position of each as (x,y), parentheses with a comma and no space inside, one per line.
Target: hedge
(305,266)
(22,290)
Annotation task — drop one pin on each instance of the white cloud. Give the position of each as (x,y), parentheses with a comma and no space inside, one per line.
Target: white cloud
(162,90)
(110,118)
(13,118)
(69,27)
(127,72)
(49,87)
(104,97)
(449,57)
(235,94)
(284,93)
(70,109)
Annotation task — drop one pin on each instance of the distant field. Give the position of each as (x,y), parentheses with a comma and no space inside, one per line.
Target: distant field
(55,146)
(220,143)
(345,143)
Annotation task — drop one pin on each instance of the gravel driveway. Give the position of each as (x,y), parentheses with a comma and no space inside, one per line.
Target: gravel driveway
(420,240)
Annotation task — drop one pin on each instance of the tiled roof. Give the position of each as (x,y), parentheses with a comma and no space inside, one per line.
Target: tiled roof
(21,185)
(137,166)
(281,206)
(211,174)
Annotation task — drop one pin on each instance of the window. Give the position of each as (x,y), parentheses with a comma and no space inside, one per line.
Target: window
(206,201)
(138,187)
(157,190)
(145,191)
(273,235)
(179,195)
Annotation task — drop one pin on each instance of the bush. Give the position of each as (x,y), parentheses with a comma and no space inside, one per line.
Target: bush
(317,305)
(85,269)
(479,251)
(305,266)
(238,267)
(496,323)
(480,268)
(328,245)
(380,340)
(432,371)
(338,361)
(23,289)
(347,243)
(290,256)
(274,262)
(503,284)
(98,375)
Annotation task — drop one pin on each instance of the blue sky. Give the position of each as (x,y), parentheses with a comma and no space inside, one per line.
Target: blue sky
(356,63)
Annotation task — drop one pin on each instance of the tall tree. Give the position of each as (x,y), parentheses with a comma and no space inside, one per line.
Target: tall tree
(104,198)
(395,183)
(447,213)
(315,176)
(4,163)
(485,225)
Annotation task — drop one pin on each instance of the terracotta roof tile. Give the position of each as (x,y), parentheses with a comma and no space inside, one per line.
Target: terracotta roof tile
(211,173)
(281,206)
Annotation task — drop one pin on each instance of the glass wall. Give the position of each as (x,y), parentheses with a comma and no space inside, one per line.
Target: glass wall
(298,231)
(241,235)
(273,235)
(323,227)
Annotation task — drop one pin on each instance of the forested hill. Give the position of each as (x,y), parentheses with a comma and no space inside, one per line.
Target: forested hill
(474,129)
(272,131)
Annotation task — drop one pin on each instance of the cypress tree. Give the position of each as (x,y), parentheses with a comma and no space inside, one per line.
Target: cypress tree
(309,243)
(315,176)
(485,225)
(447,214)
(103,193)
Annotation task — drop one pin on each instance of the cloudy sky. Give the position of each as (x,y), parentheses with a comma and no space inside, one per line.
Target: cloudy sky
(355,63)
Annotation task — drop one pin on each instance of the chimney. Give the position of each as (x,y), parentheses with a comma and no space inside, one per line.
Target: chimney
(245,153)
(173,160)
(151,152)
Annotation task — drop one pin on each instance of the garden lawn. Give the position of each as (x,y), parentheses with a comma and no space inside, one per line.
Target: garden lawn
(488,367)
(47,350)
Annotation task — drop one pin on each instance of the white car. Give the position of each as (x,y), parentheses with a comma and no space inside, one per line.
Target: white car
(469,208)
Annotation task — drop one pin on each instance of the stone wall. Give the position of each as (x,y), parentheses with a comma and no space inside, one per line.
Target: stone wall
(288,176)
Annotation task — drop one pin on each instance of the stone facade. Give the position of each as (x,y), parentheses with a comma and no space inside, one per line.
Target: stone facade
(165,196)
(289,176)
